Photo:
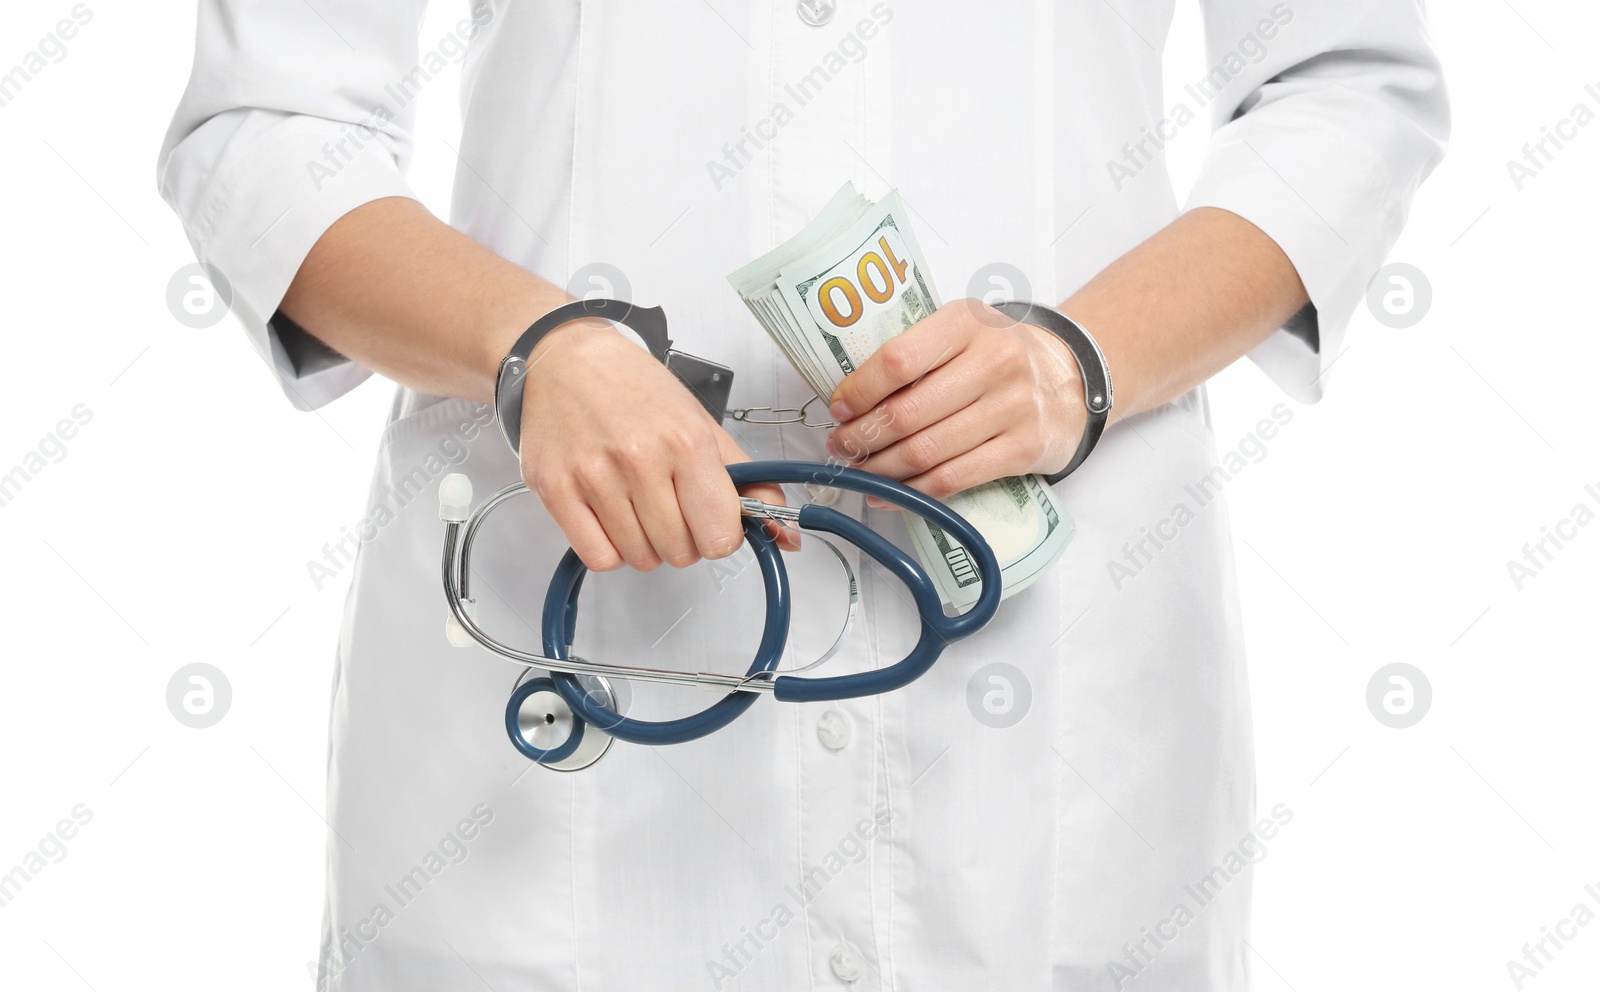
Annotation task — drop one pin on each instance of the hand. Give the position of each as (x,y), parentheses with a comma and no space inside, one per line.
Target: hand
(963,397)
(625,459)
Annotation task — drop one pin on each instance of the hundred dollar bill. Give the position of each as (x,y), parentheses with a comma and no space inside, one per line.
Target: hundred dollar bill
(831,296)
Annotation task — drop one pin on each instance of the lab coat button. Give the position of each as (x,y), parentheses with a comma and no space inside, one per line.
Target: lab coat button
(815,12)
(846,963)
(833,729)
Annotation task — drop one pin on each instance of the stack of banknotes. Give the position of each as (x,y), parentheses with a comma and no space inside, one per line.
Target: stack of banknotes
(829,297)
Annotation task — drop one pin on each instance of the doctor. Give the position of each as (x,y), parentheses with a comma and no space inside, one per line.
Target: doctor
(1034,812)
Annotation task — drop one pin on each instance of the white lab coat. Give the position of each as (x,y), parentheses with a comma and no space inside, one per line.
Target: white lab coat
(931,849)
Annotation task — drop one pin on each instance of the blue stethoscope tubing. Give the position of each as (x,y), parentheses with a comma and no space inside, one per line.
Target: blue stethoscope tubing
(938,630)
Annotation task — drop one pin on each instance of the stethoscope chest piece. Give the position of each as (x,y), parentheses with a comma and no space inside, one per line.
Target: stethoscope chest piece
(543,727)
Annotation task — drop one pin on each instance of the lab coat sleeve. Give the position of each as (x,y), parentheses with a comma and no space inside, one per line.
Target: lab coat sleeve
(1328,116)
(293,116)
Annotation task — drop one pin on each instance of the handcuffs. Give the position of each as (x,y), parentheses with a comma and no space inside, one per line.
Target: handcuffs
(712,384)
(564,710)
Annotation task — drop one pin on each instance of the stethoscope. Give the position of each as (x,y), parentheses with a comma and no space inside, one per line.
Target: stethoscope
(564,713)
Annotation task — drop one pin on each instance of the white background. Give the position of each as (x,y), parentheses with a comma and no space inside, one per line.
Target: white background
(1377,529)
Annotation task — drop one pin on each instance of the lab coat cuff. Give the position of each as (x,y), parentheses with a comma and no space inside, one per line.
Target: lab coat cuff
(1326,197)
(273,197)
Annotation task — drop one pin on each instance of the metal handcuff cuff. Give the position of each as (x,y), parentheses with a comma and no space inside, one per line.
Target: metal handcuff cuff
(563,712)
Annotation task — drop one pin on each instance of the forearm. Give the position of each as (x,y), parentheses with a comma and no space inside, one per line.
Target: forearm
(1186,304)
(399,291)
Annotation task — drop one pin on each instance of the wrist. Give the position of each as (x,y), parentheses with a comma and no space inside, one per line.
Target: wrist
(578,339)
(1101,318)
(1092,374)
(593,342)
(1061,372)
(508,319)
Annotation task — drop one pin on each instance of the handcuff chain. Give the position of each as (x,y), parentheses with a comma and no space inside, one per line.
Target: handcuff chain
(781,416)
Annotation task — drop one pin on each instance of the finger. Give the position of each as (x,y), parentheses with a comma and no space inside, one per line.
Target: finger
(941,393)
(582,530)
(994,459)
(788,538)
(932,446)
(661,516)
(901,360)
(710,505)
(620,521)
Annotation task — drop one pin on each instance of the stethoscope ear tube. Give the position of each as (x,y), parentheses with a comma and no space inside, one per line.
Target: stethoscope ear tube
(560,620)
(938,630)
